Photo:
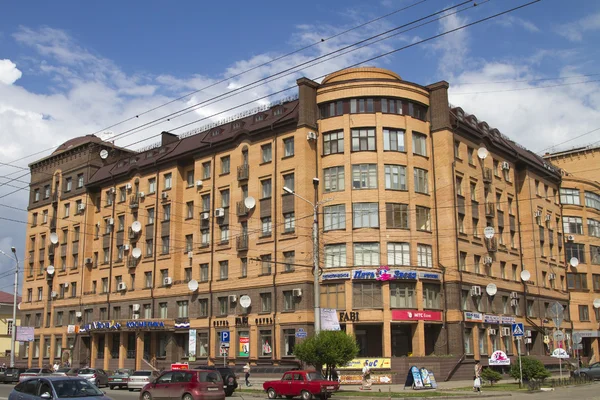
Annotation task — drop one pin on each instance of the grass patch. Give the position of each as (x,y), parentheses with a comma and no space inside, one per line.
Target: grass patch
(498,387)
(374,393)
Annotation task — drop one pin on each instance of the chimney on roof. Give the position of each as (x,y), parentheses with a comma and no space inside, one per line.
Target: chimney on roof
(168,138)
(307,98)
(439,114)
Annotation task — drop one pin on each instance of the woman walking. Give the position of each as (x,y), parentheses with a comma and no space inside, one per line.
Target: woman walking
(477,377)
(366,377)
(247,374)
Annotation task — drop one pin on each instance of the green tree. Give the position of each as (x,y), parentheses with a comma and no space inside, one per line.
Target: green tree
(488,374)
(532,370)
(327,349)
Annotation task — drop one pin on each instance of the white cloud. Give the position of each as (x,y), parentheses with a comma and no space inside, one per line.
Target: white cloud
(510,21)
(9,73)
(453,47)
(574,31)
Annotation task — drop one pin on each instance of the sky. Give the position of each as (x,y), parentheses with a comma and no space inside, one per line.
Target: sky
(72,68)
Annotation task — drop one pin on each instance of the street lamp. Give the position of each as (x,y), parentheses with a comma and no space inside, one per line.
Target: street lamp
(315,237)
(14,321)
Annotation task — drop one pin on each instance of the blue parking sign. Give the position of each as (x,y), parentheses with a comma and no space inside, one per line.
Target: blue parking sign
(225,336)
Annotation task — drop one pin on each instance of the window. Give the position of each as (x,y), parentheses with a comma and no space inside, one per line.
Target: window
(365,215)
(224,233)
(151,185)
(361,106)
(206,202)
(163,310)
(393,140)
(289,302)
(40,295)
(459,182)
(182,309)
(289,342)
(595,255)
(364,176)
(573,225)
(148,279)
(419,144)
(149,249)
(67,210)
(289,222)
(576,250)
(332,109)
(244,266)
(265,302)
(396,215)
(266,188)
(190,178)
(398,254)
(424,256)
(165,244)
(266,153)
(335,217)
(223,307)
(395,106)
(569,196)
(462,258)
(593,227)
(456,149)
(403,295)
(592,200)
(266,226)
(203,272)
(423,215)
(44,216)
(204,237)
(225,165)
(584,313)
(395,177)
(68,184)
(363,139)
(150,213)
(577,281)
(366,254)
(461,224)
(189,242)
(333,143)
(206,170)
(34,218)
(335,255)
(470,151)
(333,296)
(36,195)
(367,295)
(122,194)
(477,264)
(225,198)
(265,261)
(223,269)
(288,181)
(334,179)
(46,191)
(421,181)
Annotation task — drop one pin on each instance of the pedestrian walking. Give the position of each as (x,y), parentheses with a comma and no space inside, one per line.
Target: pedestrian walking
(247,374)
(366,377)
(477,377)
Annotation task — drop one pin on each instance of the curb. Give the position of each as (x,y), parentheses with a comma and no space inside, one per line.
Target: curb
(334,397)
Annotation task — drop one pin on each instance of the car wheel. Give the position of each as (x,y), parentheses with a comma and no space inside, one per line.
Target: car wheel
(271,393)
(188,396)
(583,375)
(306,395)
(146,396)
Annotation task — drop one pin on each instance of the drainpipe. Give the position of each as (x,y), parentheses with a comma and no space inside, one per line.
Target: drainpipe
(212,247)
(110,249)
(154,244)
(275,231)
(460,274)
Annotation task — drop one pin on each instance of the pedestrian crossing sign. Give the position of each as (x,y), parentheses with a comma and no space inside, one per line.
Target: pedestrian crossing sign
(517,330)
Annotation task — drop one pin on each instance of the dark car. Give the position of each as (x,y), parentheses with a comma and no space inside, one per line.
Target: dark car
(119,378)
(185,385)
(591,372)
(229,378)
(31,372)
(56,387)
(11,375)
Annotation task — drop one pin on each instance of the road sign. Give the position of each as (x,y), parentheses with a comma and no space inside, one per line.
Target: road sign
(224,351)
(301,333)
(559,353)
(578,346)
(518,330)
(577,338)
(225,344)
(225,336)
(556,311)
(559,336)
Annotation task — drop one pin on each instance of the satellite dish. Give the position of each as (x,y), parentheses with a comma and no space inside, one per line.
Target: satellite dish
(596,303)
(245,301)
(53,238)
(19,306)
(482,153)
(193,285)
(250,202)
(525,275)
(104,154)
(136,253)
(491,289)
(489,232)
(136,226)
(574,262)
(50,270)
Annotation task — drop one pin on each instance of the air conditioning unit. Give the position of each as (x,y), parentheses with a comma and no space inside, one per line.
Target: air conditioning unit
(514,303)
(505,332)
(128,186)
(121,286)
(514,295)
(141,194)
(136,307)
(54,294)
(205,215)
(311,136)
(232,298)
(81,207)
(87,261)
(199,183)
(111,221)
(125,247)
(164,195)
(491,332)
(551,276)
(487,260)
(528,333)
(548,217)
(505,165)
(538,213)
(219,212)
(66,284)
(168,281)
(190,254)
(475,291)
(297,292)
(570,238)
(135,316)
(78,314)
(528,341)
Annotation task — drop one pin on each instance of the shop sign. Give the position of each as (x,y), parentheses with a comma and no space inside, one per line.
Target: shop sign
(101,325)
(179,366)
(429,275)
(491,319)
(145,324)
(383,274)
(25,334)
(356,379)
(507,320)
(559,353)
(499,358)
(473,316)
(373,363)
(349,316)
(71,329)
(584,334)
(414,315)
(336,275)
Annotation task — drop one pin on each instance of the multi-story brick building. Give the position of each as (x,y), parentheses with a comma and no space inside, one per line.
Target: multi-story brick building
(409,184)
(580,199)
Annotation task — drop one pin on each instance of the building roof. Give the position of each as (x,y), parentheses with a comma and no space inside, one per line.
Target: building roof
(574,150)
(7,298)
(78,141)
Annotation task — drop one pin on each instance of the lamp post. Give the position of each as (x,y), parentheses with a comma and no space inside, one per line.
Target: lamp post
(14,318)
(315,237)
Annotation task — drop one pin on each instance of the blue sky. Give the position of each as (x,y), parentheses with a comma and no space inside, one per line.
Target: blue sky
(70,68)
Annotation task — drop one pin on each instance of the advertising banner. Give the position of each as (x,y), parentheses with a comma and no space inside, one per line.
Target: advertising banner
(24,334)
(329,319)
(473,316)
(192,344)
(414,315)
(499,358)
(244,342)
(373,363)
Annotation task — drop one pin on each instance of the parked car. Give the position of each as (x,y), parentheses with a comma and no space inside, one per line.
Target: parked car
(95,375)
(66,372)
(185,385)
(592,371)
(139,379)
(229,378)
(306,384)
(31,372)
(11,375)
(119,378)
(56,387)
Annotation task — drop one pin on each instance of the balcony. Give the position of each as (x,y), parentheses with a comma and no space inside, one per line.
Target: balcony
(241,209)
(491,244)
(243,172)
(490,210)
(53,223)
(132,262)
(242,242)
(132,234)
(134,201)
(487,175)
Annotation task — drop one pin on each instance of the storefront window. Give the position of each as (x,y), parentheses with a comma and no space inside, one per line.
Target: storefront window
(162,345)
(333,296)
(36,348)
(265,344)
(507,344)
(58,347)
(47,348)
(116,342)
(482,341)
(431,295)
(289,339)
(495,341)
(244,344)
(183,343)
(468,341)
(402,295)
(401,340)
(367,295)
(203,344)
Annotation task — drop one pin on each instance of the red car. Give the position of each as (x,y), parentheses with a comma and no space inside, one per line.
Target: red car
(306,384)
(185,385)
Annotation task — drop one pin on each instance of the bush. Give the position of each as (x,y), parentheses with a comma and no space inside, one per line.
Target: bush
(490,375)
(532,369)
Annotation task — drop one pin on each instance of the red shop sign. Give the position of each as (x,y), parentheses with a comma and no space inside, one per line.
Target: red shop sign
(413,315)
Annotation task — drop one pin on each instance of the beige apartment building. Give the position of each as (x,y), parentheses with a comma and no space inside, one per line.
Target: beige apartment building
(196,235)
(580,199)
